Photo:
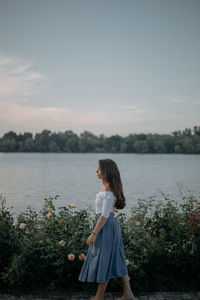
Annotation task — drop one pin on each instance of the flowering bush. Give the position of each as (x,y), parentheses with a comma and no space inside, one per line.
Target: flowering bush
(8,241)
(48,248)
(162,243)
(45,250)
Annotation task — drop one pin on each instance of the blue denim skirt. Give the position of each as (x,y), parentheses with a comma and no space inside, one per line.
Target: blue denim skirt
(105,259)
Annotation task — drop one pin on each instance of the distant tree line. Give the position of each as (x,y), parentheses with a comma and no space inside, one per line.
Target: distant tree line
(186,141)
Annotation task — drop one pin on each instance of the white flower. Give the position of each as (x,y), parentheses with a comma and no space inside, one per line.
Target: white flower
(137,223)
(22,225)
(61,243)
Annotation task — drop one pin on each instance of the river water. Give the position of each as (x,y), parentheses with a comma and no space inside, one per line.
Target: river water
(28,178)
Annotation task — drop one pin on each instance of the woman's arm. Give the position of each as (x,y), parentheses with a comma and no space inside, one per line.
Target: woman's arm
(107,207)
(101,221)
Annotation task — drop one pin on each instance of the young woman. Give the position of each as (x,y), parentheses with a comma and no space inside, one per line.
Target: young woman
(105,258)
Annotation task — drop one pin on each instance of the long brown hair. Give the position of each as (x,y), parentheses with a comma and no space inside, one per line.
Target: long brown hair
(111,174)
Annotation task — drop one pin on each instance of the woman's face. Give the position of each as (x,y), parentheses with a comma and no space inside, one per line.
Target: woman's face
(98,171)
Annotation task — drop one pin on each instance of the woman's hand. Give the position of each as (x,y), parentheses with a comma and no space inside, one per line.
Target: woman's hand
(91,239)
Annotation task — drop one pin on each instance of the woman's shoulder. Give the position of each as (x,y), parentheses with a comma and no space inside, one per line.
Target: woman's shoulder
(107,194)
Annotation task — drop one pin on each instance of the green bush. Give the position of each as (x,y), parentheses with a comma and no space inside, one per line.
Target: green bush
(39,260)
(8,242)
(162,243)
(161,239)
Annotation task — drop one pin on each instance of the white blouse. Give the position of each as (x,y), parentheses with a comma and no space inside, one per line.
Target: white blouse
(104,203)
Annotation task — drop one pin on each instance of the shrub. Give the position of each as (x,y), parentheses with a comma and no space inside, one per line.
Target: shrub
(45,251)
(162,243)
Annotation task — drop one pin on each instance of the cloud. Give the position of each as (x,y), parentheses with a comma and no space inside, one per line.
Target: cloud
(18,79)
(19,118)
(128,107)
(131,109)
(21,69)
(177,100)
(15,113)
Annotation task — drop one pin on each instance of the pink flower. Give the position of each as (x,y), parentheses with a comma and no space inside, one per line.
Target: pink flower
(49,215)
(71,256)
(82,256)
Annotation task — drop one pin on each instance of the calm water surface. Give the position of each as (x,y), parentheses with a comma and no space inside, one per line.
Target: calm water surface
(27,178)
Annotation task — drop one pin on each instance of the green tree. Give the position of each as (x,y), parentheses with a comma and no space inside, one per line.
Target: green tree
(160,147)
(114,143)
(8,145)
(197,148)
(196,130)
(178,149)
(42,140)
(169,143)
(11,135)
(187,144)
(187,132)
(9,142)
(141,146)
(123,147)
(29,145)
(53,147)
(87,142)
(130,140)
(151,138)
(186,141)
(71,141)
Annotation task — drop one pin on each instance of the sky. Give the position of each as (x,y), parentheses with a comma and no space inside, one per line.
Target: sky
(105,66)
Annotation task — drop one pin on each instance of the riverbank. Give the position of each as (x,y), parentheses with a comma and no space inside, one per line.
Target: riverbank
(42,253)
(108,296)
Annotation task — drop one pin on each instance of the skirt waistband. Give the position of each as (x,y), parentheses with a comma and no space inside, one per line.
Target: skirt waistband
(111,213)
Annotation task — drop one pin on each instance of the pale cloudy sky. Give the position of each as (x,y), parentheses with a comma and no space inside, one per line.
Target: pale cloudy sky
(106,66)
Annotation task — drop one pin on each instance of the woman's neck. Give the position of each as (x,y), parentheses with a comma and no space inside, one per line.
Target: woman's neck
(106,185)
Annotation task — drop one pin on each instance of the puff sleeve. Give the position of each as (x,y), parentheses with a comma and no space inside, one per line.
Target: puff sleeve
(108,204)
